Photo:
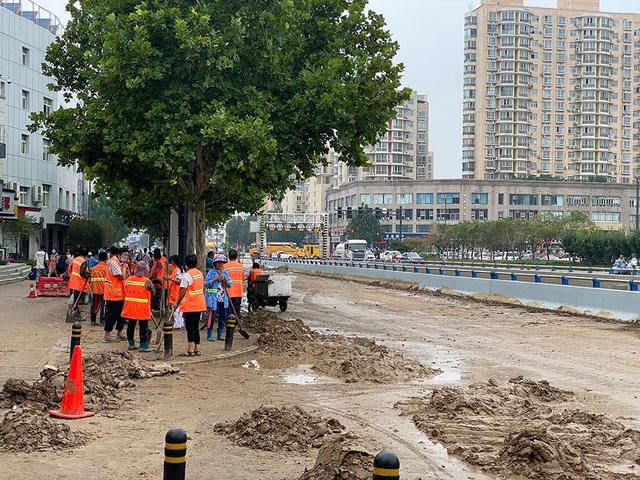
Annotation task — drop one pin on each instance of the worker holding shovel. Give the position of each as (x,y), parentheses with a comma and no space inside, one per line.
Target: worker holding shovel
(217,301)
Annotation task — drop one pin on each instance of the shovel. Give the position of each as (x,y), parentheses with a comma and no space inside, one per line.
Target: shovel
(71,313)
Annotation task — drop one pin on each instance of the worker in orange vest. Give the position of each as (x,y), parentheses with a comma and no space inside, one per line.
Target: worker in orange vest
(236,271)
(79,275)
(192,303)
(96,285)
(114,295)
(158,271)
(137,305)
(173,280)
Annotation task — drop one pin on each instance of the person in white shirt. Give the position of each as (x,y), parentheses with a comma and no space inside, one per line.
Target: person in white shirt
(41,261)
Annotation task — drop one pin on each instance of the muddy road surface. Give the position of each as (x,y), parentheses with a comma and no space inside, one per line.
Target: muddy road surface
(459,343)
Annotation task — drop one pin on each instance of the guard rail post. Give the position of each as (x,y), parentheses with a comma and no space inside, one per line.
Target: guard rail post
(570,268)
(440,271)
(415,269)
(537,278)
(456,272)
(514,277)
(427,270)
(633,286)
(565,280)
(494,275)
(474,274)
(595,282)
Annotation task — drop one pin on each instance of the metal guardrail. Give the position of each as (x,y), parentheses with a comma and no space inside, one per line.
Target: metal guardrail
(577,278)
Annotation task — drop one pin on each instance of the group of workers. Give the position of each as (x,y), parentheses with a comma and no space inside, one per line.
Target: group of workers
(126,291)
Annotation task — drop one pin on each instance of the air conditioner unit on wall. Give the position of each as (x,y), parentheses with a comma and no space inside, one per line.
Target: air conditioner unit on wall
(15,186)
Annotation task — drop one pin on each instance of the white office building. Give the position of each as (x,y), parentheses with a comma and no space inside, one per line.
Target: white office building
(32,182)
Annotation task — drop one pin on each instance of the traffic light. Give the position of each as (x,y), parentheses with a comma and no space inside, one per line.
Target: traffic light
(339,212)
(349,212)
(360,211)
(378,213)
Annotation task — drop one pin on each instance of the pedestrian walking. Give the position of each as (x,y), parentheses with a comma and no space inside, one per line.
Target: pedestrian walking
(96,286)
(217,300)
(114,296)
(137,305)
(192,303)
(235,269)
(41,259)
(51,264)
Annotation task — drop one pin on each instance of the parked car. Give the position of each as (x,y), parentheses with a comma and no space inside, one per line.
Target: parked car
(369,256)
(412,257)
(391,256)
(282,255)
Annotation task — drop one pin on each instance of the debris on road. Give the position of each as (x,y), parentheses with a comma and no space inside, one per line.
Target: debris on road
(341,458)
(103,373)
(528,428)
(25,430)
(287,428)
(353,359)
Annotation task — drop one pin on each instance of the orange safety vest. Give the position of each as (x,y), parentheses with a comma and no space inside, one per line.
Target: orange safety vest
(193,300)
(158,270)
(174,290)
(255,273)
(98,278)
(236,273)
(137,299)
(114,286)
(76,282)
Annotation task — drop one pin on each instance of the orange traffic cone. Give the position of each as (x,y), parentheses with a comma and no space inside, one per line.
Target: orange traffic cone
(32,292)
(73,397)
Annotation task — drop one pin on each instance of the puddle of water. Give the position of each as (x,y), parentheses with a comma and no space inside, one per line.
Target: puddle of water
(302,375)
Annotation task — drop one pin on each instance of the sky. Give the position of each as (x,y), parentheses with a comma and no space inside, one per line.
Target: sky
(430,34)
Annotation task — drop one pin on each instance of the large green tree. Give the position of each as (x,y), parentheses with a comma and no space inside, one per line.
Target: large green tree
(238,231)
(217,103)
(365,226)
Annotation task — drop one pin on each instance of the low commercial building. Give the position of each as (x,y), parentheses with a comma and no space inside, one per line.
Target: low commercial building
(417,207)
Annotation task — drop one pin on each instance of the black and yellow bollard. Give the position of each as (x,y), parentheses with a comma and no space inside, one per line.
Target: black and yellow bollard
(231,327)
(168,339)
(175,454)
(386,466)
(76,334)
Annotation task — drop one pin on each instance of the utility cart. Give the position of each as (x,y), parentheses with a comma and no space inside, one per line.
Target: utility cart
(271,290)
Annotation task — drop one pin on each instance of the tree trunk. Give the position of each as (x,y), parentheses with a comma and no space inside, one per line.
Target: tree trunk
(197,212)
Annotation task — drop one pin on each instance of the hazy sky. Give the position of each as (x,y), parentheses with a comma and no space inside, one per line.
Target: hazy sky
(430,33)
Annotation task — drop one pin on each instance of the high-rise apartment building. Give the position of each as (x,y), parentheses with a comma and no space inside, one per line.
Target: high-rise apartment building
(551,91)
(402,153)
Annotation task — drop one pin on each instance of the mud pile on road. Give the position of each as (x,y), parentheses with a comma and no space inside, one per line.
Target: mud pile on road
(528,428)
(104,375)
(341,458)
(25,430)
(352,359)
(287,428)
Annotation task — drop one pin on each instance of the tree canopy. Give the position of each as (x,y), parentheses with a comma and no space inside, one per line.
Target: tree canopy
(217,104)
(365,226)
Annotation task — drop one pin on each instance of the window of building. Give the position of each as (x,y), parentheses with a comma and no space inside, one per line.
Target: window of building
(24,144)
(480,198)
(404,198)
(424,214)
(3,90)
(67,202)
(73,202)
(25,99)
(46,144)
(501,199)
(552,200)
(479,214)
(46,194)
(365,199)
(382,198)
(445,214)
(404,229)
(577,200)
(598,201)
(523,199)
(424,198)
(605,217)
(448,198)
(23,195)
(422,228)
(47,105)
(25,56)
(524,214)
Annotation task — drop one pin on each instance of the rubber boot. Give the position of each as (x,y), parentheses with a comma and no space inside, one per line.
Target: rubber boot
(132,345)
(144,347)
(210,335)
(220,337)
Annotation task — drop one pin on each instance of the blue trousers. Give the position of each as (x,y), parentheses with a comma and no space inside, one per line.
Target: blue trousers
(222,314)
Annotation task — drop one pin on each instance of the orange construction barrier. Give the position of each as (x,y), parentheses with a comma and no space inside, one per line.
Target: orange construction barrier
(72,406)
(32,292)
(52,287)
